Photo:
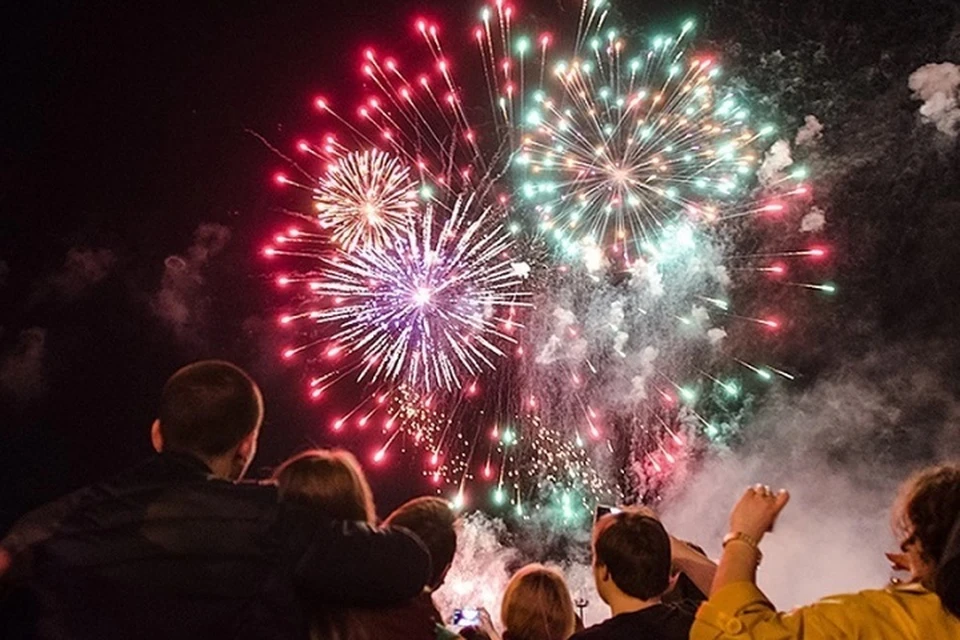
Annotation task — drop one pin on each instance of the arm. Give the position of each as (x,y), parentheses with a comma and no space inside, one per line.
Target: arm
(353,563)
(754,515)
(736,606)
(696,566)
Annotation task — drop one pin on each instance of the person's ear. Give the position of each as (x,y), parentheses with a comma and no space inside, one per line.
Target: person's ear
(156,437)
(605,573)
(247,448)
(674,578)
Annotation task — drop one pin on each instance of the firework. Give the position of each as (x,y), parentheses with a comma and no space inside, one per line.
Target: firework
(431,310)
(587,267)
(366,199)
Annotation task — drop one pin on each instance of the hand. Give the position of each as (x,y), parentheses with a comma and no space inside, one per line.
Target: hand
(486,624)
(757,511)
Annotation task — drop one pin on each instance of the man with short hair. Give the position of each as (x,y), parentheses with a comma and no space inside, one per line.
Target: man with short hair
(433,521)
(633,561)
(177,547)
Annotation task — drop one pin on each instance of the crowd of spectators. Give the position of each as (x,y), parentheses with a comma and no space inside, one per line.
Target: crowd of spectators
(181,546)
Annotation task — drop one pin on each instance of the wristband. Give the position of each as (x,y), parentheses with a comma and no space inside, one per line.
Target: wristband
(739,536)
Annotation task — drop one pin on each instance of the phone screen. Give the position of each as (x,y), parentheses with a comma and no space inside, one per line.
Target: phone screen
(465,617)
(602,510)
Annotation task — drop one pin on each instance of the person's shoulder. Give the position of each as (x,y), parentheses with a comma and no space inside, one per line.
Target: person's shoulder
(598,631)
(44,521)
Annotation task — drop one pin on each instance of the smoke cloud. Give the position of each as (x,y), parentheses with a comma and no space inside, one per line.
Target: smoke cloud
(181,303)
(814,221)
(22,369)
(483,565)
(938,85)
(841,448)
(810,133)
(82,269)
(777,159)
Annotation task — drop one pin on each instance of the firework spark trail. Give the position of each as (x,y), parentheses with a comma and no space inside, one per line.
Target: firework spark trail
(612,159)
(424,310)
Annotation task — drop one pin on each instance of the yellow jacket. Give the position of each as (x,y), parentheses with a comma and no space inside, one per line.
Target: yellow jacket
(740,611)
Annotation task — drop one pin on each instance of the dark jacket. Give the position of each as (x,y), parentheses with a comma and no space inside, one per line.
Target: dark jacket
(415,619)
(166,550)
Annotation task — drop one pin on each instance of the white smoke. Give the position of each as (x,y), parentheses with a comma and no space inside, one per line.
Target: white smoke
(180,303)
(646,275)
(564,318)
(482,568)
(814,221)
(831,447)
(810,133)
(594,258)
(620,342)
(22,369)
(621,338)
(938,85)
(777,159)
(479,573)
(561,345)
(699,316)
(521,269)
(716,336)
(616,314)
(648,356)
(722,275)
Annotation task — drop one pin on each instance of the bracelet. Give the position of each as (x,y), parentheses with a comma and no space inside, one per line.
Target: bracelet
(739,536)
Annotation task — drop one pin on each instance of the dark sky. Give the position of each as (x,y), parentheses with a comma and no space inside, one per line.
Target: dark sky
(122,132)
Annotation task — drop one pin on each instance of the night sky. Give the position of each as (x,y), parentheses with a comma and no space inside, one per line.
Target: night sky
(124,130)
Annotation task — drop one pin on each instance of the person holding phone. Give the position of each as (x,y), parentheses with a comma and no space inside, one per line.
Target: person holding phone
(633,562)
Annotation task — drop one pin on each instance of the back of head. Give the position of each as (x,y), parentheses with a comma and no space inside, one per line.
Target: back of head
(208,408)
(432,520)
(927,509)
(537,605)
(331,482)
(635,549)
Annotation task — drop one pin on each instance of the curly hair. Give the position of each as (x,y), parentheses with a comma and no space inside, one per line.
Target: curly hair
(928,506)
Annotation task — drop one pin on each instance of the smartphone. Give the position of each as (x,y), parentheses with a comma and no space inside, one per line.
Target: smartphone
(465,617)
(602,510)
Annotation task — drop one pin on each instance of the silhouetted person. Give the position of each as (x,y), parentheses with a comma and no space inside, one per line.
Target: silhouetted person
(433,521)
(177,547)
